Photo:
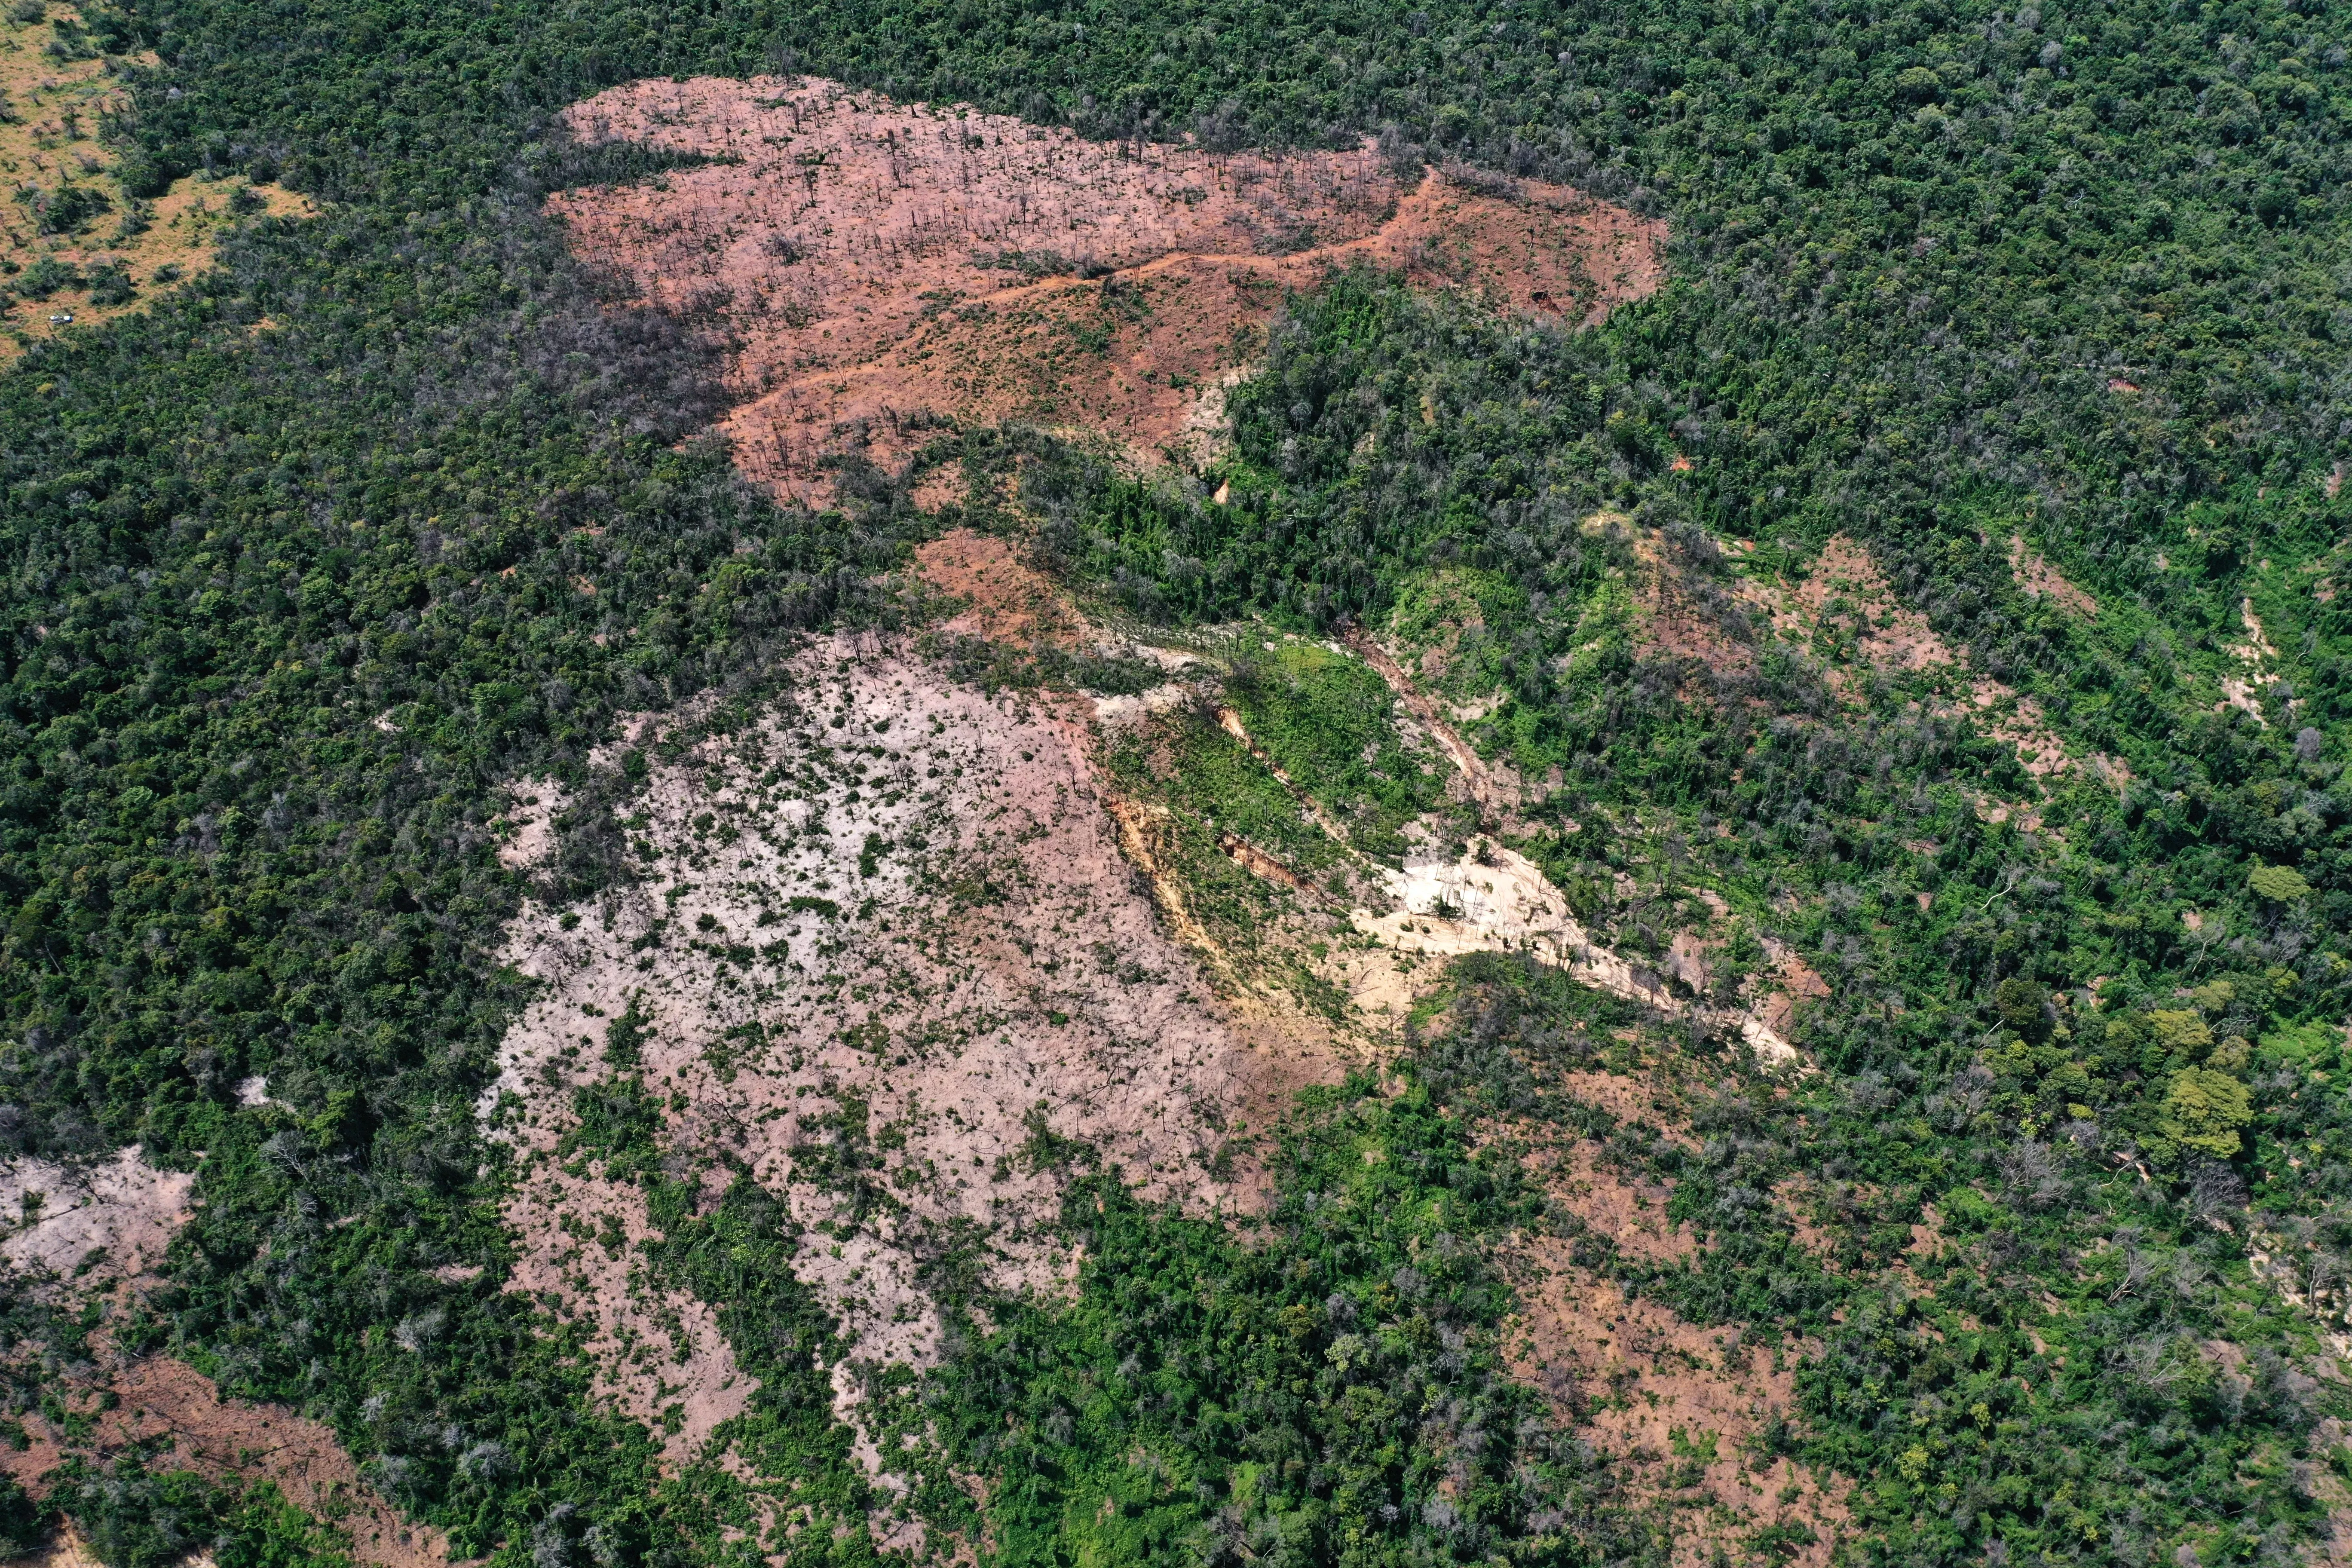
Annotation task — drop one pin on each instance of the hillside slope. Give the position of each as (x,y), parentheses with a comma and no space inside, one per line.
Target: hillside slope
(1585,803)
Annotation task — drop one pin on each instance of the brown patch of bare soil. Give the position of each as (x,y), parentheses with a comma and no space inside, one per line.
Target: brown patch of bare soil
(1631,1215)
(156,1396)
(1785,986)
(885,264)
(1626,1097)
(662,1357)
(1496,787)
(2044,581)
(67,1550)
(1846,591)
(1684,614)
(527,829)
(1005,600)
(1846,600)
(1675,1405)
(885,941)
(2001,713)
(93,1235)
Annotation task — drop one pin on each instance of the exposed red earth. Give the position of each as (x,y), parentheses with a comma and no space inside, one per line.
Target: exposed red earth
(881,265)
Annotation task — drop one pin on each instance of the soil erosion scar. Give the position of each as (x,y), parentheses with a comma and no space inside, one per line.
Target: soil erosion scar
(879,262)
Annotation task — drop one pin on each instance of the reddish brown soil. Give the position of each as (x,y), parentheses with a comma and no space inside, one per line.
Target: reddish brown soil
(1004,599)
(1675,1405)
(2038,577)
(1631,1216)
(1495,787)
(1788,983)
(227,1439)
(883,263)
(1681,614)
(1846,596)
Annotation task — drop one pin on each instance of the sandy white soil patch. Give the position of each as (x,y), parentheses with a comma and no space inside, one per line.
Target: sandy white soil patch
(527,831)
(115,1218)
(1494,899)
(884,943)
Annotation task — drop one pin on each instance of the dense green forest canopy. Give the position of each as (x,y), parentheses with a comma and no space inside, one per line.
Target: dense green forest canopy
(284,604)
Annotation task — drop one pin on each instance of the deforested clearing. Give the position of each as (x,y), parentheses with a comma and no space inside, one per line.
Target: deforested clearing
(113,1220)
(881,948)
(885,264)
(168,1410)
(91,1239)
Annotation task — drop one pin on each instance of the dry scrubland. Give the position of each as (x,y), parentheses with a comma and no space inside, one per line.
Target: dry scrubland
(881,942)
(1764,652)
(894,918)
(884,263)
(1840,607)
(79,248)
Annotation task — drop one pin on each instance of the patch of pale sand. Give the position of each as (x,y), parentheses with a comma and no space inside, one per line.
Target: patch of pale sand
(2257,648)
(1494,899)
(157,1397)
(972,963)
(1205,438)
(2034,573)
(879,262)
(2333,1546)
(1673,1405)
(695,1383)
(527,831)
(67,1550)
(2239,692)
(55,1216)
(1687,959)
(2298,1270)
(1122,708)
